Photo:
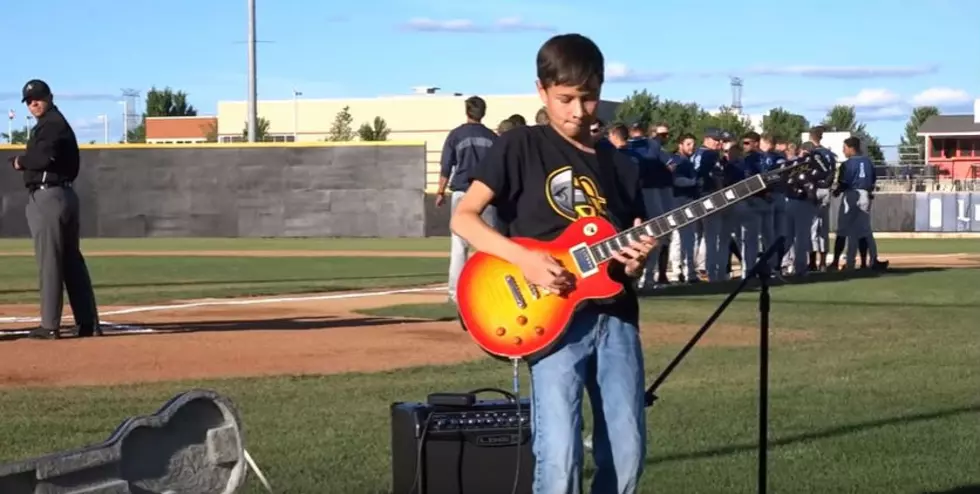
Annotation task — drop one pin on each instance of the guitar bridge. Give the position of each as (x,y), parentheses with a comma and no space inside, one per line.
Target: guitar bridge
(515,292)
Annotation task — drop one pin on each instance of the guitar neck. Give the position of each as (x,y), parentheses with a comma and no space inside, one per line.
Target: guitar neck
(689,213)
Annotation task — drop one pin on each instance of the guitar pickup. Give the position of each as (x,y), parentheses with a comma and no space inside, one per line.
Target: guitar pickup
(535,294)
(515,292)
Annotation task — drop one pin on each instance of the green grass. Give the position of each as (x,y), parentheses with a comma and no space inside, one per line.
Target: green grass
(166,243)
(886,246)
(119,280)
(882,398)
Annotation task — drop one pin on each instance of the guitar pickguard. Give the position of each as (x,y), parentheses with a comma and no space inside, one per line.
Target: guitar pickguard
(192,445)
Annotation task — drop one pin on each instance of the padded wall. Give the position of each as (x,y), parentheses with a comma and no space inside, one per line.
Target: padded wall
(283,191)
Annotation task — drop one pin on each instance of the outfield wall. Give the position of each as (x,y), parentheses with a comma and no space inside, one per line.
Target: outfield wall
(231,190)
(321,190)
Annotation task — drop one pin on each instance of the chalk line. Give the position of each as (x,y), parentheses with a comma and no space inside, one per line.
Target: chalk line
(106,325)
(246,301)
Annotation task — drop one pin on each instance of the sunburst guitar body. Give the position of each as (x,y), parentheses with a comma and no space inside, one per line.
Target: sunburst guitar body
(509,317)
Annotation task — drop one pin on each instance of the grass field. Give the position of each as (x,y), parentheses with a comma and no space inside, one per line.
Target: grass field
(878,393)
(128,280)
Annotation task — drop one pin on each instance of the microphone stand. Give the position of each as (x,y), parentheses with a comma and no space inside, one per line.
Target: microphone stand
(764,274)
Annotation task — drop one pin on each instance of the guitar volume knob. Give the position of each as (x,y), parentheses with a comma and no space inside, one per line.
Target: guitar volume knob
(522,320)
(538,330)
(501,331)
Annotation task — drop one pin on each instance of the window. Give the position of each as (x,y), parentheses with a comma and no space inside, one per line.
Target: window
(268,138)
(949,148)
(279,138)
(968,148)
(936,148)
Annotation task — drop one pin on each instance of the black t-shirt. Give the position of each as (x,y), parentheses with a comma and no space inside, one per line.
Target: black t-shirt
(542,183)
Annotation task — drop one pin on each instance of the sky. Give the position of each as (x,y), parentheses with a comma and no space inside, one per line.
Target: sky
(883,57)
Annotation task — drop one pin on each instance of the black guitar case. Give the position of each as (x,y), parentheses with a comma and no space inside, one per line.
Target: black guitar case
(192,445)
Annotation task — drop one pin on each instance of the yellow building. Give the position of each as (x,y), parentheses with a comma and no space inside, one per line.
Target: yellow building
(420,117)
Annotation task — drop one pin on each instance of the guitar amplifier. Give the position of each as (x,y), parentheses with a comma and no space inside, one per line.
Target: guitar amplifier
(467,448)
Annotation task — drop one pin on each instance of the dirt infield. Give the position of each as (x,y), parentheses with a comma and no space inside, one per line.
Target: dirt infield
(286,335)
(250,253)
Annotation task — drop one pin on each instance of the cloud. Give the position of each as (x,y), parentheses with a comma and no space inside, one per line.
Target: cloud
(844,72)
(871,98)
(504,24)
(941,97)
(886,113)
(620,72)
(881,104)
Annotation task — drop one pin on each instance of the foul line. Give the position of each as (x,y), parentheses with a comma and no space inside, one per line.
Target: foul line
(247,301)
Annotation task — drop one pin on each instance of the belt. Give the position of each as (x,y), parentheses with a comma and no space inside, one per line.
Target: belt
(66,184)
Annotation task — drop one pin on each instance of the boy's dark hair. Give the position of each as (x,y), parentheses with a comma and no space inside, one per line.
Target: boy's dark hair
(620,131)
(752,136)
(518,120)
(771,138)
(541,118)
(816,132)
(685,136)
(853,143)
(476,108)
(571,60)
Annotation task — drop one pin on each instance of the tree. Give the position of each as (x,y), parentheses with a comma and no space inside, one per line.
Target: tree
(911,148)
(211,132)
(727,119)
(842,118)
(640,106)
(341,130)
(161,103)
(377,132)
(17,136)
(785,125)
(261,130)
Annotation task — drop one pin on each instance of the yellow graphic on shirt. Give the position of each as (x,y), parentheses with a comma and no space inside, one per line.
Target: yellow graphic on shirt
(574,196)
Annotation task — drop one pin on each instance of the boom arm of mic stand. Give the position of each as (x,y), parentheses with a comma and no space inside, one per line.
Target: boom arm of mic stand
(650,396)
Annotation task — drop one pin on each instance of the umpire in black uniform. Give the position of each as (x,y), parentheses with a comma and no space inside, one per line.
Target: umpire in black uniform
(50,165)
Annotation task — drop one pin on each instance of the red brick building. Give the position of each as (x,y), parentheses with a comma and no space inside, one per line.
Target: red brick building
(180,130)
(952,144)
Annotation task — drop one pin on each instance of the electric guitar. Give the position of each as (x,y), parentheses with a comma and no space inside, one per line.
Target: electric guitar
(510,318)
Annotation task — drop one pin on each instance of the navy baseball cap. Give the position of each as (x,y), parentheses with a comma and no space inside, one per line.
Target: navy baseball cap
(35,89)
(715,134)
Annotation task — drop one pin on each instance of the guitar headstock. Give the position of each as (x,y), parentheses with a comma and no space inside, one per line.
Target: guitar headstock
(801,173)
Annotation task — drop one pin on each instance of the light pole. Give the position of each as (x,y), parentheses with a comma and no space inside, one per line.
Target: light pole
(105,128)
(252,90)
(125,105)
(296,95)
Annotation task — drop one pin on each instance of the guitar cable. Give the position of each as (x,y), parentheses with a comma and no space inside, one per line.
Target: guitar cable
(418,456)
(520,425)
(257,471)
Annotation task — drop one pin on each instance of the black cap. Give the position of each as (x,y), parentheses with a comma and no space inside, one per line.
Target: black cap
(35,89)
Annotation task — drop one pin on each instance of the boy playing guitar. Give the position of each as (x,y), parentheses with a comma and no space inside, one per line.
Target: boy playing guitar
(541,178)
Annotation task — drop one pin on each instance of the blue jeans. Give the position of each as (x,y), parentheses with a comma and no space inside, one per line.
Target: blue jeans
(603,355)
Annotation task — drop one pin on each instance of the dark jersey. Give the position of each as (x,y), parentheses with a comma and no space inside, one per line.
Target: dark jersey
(542,183)
(52,151)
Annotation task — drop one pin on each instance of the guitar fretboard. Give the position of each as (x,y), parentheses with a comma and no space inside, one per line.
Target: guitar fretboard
(682,216)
